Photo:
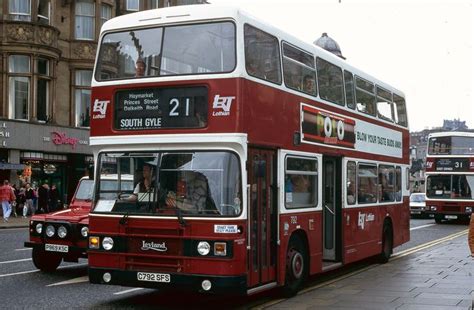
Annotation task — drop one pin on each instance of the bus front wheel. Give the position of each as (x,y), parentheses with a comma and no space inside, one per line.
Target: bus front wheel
(296,266)
(44,261)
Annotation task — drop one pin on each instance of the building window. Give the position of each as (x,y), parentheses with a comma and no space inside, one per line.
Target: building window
(85,16)
(82,95)
(105,13)
(19,86)
(20,10)
(133,5)
(44,11)
(42,89)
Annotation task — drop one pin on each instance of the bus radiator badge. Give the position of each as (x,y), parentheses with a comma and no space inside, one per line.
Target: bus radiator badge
(159,247)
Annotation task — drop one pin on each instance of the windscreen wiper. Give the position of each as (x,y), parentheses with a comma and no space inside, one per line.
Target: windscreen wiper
(124,219)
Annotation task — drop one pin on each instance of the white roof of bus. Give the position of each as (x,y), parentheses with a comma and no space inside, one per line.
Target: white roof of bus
(451,134)
(201,12)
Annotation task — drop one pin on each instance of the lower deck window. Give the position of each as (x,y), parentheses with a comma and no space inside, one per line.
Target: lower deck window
(301,180)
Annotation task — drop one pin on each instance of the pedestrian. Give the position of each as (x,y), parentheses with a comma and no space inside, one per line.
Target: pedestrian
(14,203)
(29,196)
(20,200)
(7,196)
(471,235)
(43,198)
(53,198)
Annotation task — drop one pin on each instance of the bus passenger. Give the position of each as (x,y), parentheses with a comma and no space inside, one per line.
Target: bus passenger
(192,193)
(140,67)
(308,84)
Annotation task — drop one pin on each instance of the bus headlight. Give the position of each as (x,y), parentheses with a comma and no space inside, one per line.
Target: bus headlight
(50,230)
(85,231)
(433,208)
(203,248)
(94,243)
(39,228)
(62,232)
(468,209)
(108,243)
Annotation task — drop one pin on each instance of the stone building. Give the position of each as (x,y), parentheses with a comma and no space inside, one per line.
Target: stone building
(47,51)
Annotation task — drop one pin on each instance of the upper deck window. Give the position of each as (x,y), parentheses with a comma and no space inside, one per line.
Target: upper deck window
(451,145)
(400,110)
(365,96)
(384,104)
(330,81)
(173,50)
(262,55)
(298,70)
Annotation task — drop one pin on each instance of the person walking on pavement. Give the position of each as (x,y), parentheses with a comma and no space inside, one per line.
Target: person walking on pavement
(14,203)
(29,196)
(471,235)
(53,198)
(43,198)
(6,197)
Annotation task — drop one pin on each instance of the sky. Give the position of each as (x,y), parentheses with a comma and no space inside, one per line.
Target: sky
(421,47)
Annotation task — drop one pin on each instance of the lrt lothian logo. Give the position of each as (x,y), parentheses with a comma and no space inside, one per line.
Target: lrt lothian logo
(222,105)
(159,247)
(99,108)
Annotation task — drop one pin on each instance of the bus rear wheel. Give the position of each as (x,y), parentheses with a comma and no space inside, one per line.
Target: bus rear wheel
(296,266)
(387,244)
(44,261)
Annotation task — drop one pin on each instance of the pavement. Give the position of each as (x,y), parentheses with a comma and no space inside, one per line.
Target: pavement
(439,276)
(15,222)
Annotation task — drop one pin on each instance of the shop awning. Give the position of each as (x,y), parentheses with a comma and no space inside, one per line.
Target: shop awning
(8,166)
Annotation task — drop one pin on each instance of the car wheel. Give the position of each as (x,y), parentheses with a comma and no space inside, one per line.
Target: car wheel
(44,261)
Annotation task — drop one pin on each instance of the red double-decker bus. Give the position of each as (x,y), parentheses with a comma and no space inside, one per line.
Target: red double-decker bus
(258,158)
(450,175)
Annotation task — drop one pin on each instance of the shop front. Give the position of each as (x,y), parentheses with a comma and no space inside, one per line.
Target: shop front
(44,154)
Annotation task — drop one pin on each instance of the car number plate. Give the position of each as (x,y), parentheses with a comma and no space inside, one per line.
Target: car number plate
(56,248)
(451,217)
(154,277)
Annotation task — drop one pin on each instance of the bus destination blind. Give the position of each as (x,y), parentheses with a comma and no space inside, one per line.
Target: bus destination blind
(452,164)
(157,108)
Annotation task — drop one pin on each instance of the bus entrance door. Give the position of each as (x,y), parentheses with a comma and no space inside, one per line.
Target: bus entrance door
(332,208)
(261,167)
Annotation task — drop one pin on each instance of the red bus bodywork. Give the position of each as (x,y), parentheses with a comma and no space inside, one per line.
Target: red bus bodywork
(275,130)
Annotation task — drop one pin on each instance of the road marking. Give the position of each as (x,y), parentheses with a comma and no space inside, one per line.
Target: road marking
(422,226)
(429,244)
(17,273)
(72,281)
(129,291)
(394,257)
(15,261)
(31,271)
(24,249)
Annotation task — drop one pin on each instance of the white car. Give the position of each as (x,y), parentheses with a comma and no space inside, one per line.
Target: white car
(417,204)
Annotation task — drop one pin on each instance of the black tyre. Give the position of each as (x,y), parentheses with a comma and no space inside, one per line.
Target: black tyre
(438,219)
(296,266)
(44,261)
(387,244)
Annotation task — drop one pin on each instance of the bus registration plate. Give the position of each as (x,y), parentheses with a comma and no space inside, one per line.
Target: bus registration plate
(451,217)
(56,248)
(153,277)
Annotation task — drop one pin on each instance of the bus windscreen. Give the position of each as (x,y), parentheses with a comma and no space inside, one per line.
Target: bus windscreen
(164,51)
